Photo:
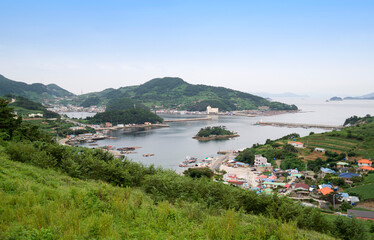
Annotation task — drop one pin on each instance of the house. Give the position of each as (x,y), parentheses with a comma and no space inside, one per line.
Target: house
(297,144)
(295,176)
(260,160)
(32,115)
(348,175)
(325,190)
(147,123)
(210,110)
(342,164)
(108,124)
(326,171)
(364,162)
(320,150)
(324,185)
(301,187)
(367,168)
(275,184)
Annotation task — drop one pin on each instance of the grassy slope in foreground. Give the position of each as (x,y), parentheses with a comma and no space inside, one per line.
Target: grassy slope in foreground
(44,204)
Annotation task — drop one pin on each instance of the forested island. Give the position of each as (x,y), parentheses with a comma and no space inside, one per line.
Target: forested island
(125,111)
(214,133)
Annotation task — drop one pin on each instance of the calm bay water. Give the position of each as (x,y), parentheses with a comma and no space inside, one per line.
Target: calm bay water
(171,145)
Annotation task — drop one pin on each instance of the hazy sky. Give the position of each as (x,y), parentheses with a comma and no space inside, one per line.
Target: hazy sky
(319,48)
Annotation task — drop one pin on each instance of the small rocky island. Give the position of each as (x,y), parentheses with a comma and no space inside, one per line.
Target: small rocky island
(214,133)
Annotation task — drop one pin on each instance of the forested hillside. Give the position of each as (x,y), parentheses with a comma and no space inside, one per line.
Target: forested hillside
(176,93)
(36,91)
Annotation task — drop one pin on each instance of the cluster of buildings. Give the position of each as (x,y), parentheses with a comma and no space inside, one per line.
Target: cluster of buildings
(262,178)
(72,108)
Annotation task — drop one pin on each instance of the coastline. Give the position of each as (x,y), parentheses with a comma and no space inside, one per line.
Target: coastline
(219,137)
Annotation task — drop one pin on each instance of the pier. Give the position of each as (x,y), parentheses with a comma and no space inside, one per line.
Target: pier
(188,119)
(299,125)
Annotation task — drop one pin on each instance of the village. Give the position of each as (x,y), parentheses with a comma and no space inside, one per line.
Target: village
(264,178)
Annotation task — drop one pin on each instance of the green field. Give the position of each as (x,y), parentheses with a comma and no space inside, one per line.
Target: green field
(366,189)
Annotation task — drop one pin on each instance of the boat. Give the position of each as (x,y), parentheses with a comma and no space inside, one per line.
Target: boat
(190,159)
(148,155)
(93,144)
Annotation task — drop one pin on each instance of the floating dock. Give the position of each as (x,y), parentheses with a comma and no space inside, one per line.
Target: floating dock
(299,125)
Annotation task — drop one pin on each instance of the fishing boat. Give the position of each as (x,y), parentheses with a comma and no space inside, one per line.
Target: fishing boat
(190,159)
(148,155)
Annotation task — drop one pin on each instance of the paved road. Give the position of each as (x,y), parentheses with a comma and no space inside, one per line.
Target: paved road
(217,163)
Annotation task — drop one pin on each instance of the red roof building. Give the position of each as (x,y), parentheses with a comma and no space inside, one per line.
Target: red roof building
(325,190)
(364,162)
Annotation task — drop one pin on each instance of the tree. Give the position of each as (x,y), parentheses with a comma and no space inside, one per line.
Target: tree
(9,122)
(199,172)
(246,156)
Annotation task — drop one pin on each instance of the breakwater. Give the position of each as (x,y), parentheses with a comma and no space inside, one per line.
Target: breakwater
(301,125)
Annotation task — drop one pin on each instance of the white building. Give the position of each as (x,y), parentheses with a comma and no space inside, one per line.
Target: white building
(35,115)
(210,110)
(297,144)
(260,160)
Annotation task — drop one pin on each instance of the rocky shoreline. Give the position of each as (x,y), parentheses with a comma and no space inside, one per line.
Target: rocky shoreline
(216,137)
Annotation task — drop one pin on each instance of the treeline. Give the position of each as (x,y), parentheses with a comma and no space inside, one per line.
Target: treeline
(162,185)
(223,105)
(23,105)
(137,116)
(355,120)
(120,104)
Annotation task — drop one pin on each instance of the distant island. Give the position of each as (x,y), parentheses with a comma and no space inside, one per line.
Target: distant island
(336,99)
(369,96)
(214,133)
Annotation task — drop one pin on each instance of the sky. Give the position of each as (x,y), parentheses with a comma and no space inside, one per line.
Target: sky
(313,47)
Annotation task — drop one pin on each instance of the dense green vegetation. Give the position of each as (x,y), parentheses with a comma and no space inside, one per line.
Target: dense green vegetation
(357,140)
(91,101)
(43,204)
(125,111)
(137,116)
(364,189)
(120,104)
(36,92)
(214,131)
(147,202)
(176,93)
(24,107)
(199,172)
(358,120)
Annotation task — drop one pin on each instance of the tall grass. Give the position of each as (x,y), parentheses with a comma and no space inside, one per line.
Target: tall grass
(43,204)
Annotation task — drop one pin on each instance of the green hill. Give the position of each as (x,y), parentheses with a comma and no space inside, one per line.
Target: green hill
(23,107)
(36,91)
(171,92)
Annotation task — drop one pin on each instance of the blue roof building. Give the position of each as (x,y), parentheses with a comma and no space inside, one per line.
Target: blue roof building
(349,175)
